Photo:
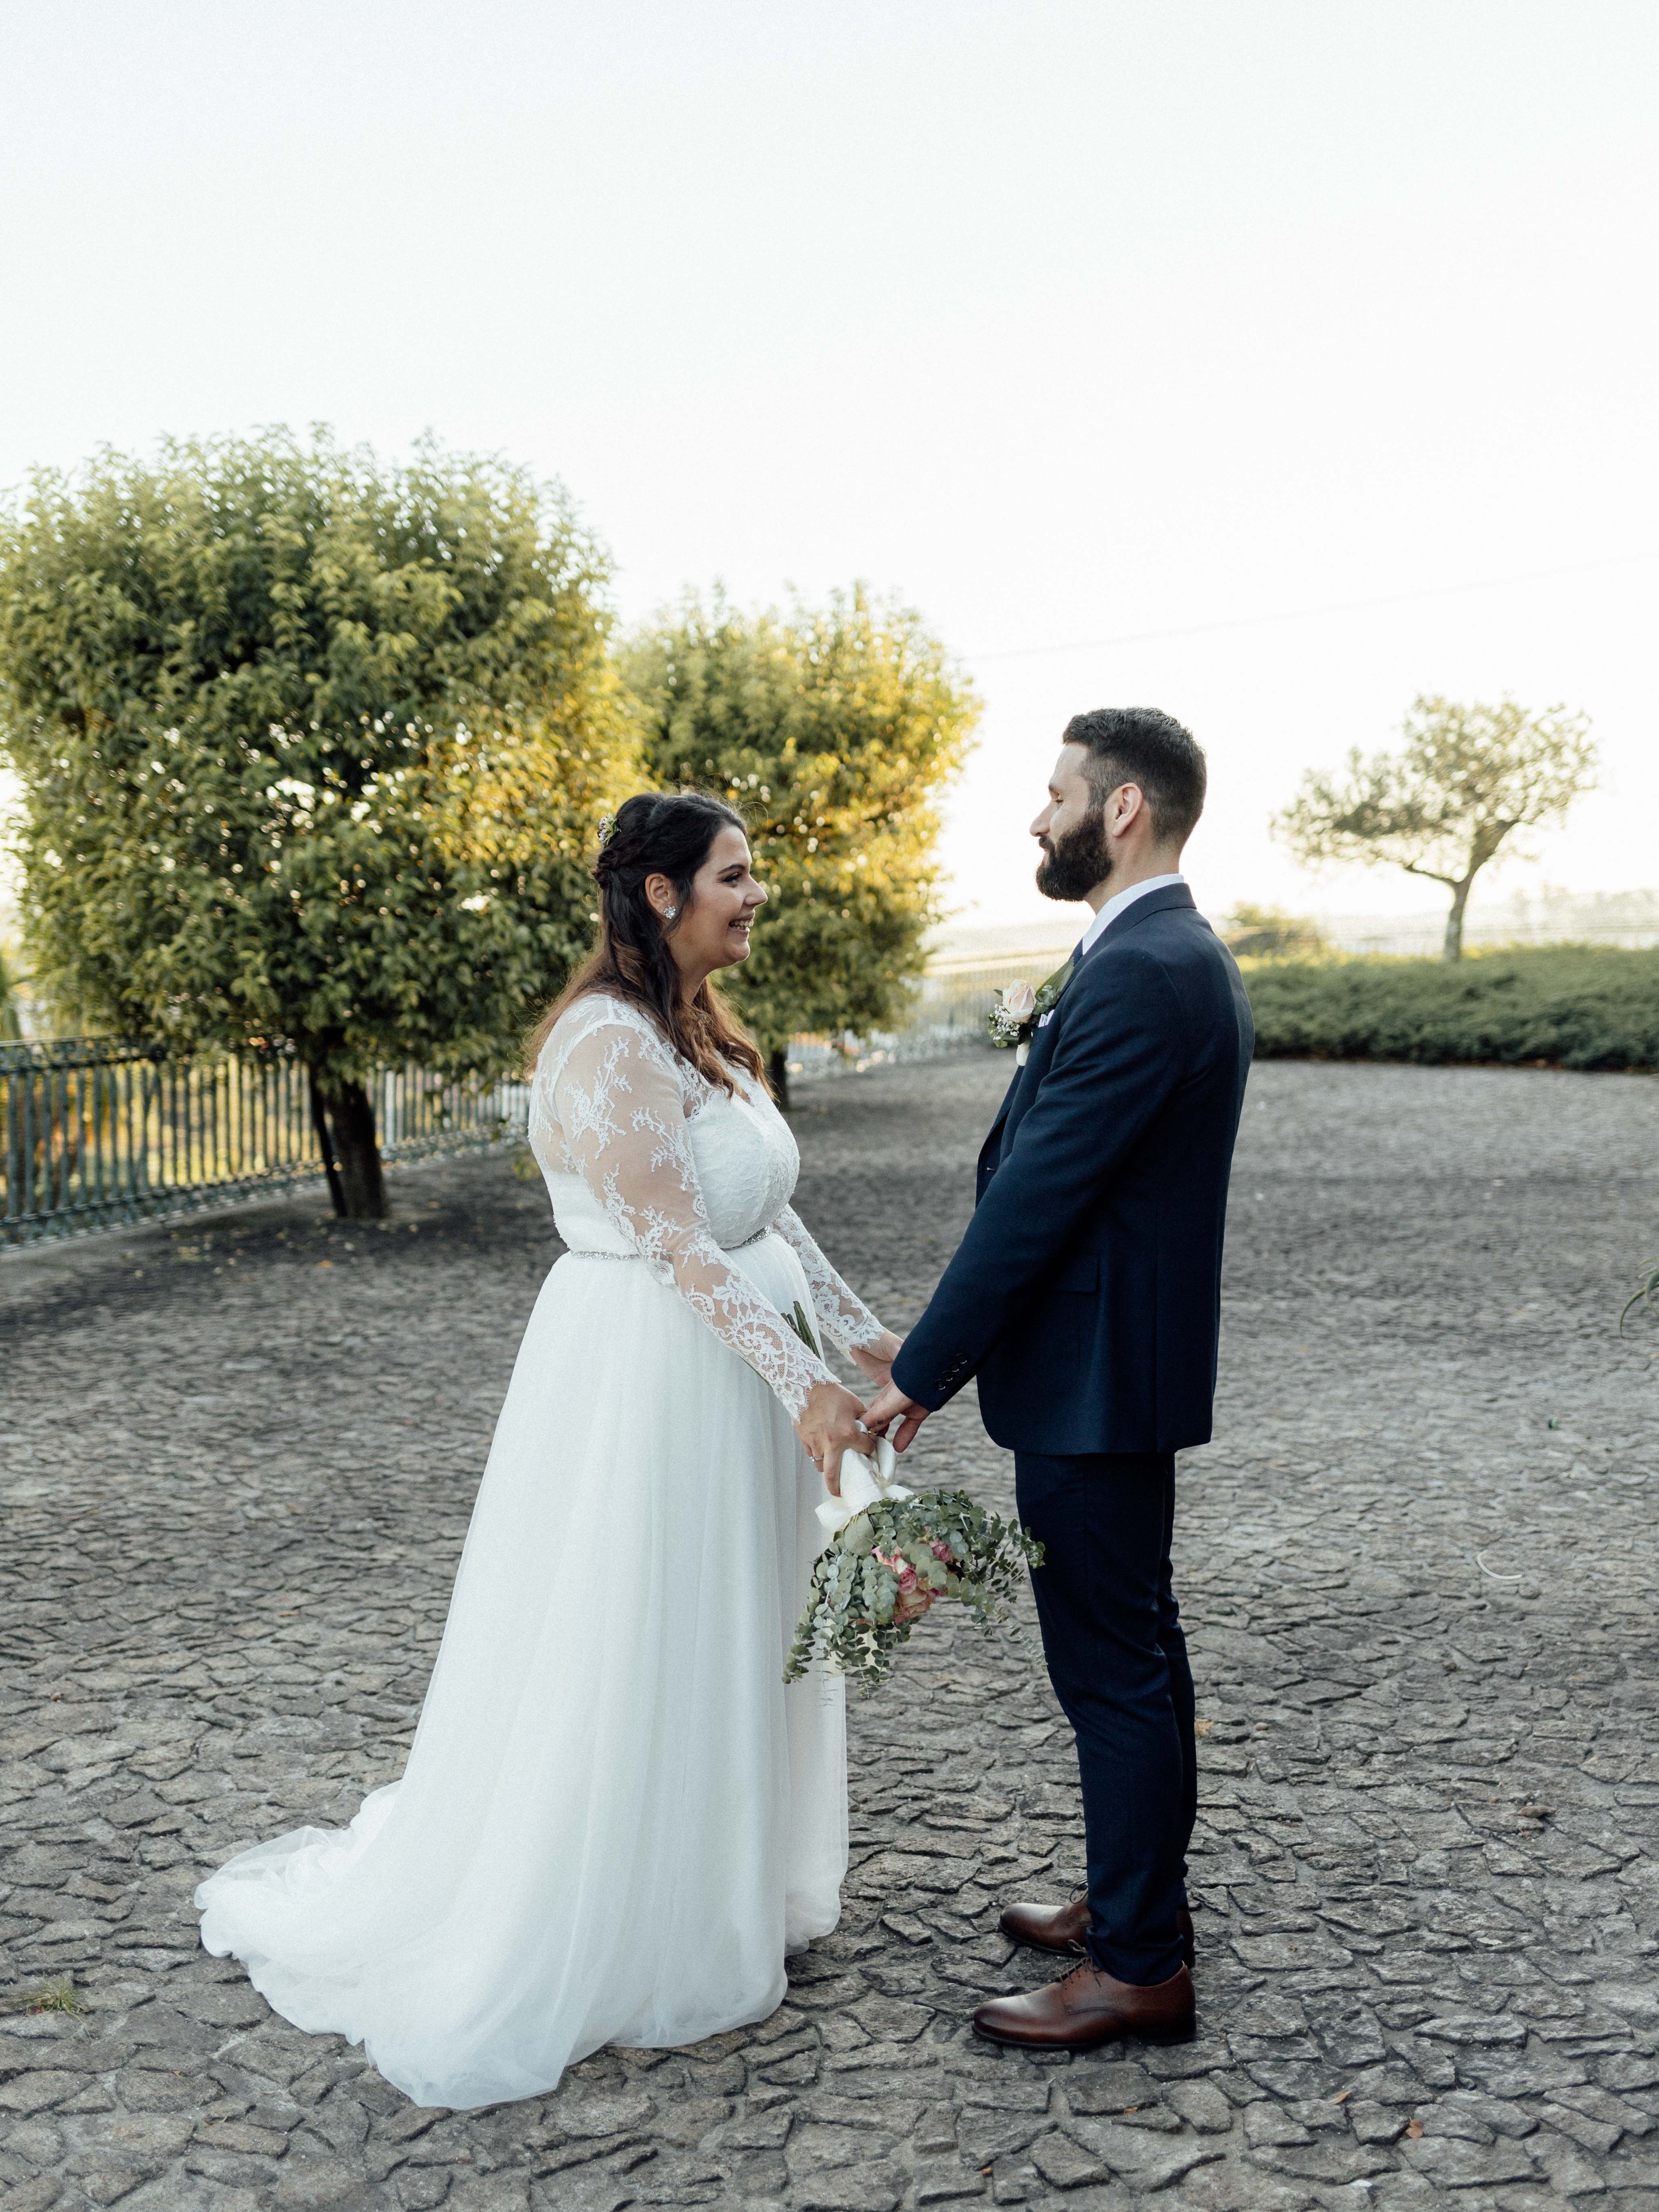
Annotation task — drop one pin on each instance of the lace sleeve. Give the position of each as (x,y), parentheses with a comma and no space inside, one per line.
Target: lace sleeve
(616,1098)
(843,1313)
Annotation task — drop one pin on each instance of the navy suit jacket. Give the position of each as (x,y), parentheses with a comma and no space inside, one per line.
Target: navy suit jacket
(1086,1293)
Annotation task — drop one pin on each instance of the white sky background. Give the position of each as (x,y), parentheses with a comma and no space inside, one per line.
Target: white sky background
(1063,321)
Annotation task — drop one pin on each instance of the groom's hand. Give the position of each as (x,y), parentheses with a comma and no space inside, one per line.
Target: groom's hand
(890,1405)
(832,1422)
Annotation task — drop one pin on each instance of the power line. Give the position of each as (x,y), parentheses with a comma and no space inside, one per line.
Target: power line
(1308,614)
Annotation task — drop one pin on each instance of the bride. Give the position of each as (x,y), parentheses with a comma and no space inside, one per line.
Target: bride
(615,1820)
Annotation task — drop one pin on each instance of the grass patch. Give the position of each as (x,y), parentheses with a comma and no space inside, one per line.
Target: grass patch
(1557,1006)
(50,1996)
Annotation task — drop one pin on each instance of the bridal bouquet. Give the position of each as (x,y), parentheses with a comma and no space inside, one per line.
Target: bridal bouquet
(892,1554)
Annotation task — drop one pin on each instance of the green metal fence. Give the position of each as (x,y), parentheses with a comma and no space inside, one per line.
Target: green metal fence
(94,1134)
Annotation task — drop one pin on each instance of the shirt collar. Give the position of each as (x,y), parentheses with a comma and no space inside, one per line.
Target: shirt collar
(1116,905)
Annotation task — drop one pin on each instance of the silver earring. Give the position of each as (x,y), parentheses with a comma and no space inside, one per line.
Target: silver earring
(669,912)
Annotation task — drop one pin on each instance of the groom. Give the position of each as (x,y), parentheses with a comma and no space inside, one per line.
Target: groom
(1085,1296)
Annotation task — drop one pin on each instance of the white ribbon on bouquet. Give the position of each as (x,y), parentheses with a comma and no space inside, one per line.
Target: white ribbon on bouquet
(865,1481)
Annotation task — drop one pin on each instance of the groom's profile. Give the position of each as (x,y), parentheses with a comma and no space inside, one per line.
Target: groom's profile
(1085,1298)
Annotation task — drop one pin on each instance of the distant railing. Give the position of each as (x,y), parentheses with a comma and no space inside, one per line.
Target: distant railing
(94,1134)
(946,1013)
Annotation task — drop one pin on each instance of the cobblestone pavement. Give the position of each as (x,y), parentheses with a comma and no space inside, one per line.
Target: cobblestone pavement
(1419,1566)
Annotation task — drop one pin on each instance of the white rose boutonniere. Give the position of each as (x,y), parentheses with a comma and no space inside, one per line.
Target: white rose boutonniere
(1014,1008)
(1020,1006)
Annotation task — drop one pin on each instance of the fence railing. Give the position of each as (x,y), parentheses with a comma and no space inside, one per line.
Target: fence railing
(946,1013)
(94,1134)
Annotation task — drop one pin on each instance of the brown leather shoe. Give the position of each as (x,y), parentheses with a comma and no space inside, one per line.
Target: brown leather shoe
(1062,1927)
(1086,2008)
(1050,1927)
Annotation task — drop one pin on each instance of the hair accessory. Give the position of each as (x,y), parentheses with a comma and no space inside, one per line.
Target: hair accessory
(607,828)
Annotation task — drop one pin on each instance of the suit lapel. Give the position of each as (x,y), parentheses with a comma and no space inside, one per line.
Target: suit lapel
(992,1144)
(1025,1079)
(988,1148)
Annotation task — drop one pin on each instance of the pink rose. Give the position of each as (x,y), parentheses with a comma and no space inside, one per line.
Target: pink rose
(1019,1001)
(912,1600)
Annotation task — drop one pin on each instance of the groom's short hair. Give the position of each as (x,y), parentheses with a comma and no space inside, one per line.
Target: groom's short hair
(1144,746)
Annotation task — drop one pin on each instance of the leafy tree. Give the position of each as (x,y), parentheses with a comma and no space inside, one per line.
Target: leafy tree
(310,751)
(834,731)
(1468,778)
(11,1027)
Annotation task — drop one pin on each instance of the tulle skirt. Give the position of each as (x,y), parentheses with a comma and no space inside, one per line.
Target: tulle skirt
(615,1819)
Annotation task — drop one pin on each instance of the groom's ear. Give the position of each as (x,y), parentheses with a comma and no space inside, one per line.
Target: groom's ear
(1125,806)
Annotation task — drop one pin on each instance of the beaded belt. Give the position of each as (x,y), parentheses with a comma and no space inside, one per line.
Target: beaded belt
(583,1252)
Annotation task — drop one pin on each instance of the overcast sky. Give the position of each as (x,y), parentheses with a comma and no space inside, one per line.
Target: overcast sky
(1068,323)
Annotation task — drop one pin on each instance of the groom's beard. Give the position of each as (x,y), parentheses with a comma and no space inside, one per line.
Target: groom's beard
(1073,865)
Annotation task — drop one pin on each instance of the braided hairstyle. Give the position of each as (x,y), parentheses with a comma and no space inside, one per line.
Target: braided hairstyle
(657,834)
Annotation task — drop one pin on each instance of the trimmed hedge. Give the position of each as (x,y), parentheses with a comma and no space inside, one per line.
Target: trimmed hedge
(1567,1006)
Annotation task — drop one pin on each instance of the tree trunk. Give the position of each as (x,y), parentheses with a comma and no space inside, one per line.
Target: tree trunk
(777,1070)
(344,1116)
(1453,947)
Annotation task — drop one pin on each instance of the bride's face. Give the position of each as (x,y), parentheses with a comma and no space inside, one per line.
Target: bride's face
(712,932)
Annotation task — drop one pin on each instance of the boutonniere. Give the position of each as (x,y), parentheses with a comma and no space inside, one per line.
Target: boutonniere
(1013,1020)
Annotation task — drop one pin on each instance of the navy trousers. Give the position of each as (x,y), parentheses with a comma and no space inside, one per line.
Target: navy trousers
(1117,1658)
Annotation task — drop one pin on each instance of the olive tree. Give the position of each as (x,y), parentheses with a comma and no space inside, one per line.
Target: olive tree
(1468,779)
(833,730)
(310,751)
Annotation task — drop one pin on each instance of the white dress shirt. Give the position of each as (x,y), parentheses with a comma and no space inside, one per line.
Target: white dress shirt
(1115,906)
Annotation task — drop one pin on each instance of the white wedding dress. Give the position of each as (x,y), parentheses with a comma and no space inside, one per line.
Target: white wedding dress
(615,1820)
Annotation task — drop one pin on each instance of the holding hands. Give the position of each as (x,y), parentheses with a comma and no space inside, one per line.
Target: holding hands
(888,1405)
(833,1420)
(830,1422)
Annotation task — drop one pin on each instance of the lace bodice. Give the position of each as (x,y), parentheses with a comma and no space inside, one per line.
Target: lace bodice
(644,1158)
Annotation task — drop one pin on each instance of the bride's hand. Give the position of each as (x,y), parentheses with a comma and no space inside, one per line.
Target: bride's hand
(832,1422)
(876,1360)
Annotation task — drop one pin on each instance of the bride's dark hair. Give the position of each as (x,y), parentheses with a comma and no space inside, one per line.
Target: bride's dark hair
(658,834)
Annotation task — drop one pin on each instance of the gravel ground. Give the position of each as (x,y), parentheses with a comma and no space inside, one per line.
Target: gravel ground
(1418,1564)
